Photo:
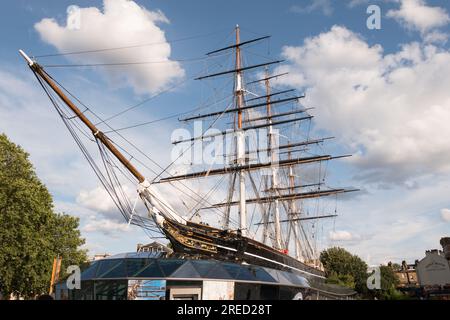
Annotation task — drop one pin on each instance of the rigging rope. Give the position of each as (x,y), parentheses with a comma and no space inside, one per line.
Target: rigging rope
(130,46)
(110,182)
(140,151)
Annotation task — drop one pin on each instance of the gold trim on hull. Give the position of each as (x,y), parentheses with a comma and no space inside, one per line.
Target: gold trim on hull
(188,241)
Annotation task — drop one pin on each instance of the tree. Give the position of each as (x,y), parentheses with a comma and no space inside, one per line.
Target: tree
(345,280)
(31,233)
(343,268)
(389,282)
(388,278)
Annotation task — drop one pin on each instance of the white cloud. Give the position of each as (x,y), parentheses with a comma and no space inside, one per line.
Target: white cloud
(324,6)
(342,235)
(445,214)
(107,227)
(436,37)
(121,23)
(28,119)
(397,224)
(97,200)
(103,234)
(391,111)
(416,15)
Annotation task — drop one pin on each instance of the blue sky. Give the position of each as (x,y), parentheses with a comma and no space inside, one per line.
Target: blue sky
(395,125)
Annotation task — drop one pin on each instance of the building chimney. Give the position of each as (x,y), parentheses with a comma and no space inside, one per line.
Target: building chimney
(445,243)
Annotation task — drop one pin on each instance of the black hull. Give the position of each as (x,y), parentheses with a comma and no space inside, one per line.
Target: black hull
(206,242)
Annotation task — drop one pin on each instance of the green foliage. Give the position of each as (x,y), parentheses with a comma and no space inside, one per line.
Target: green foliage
(348,269)
(392,294)
(396,266)
(389,279)
(344,280)
(31,234)
(389,283)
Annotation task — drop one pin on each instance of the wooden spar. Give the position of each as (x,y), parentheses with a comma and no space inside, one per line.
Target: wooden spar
(286,197)
(238,44)
(238,69)
(272,94)
(277,115)
(304,143)
(248,167)
(293,151)
(263,104)
(302,219)
(37,69)
(244,129)
(268,78)
(284,146)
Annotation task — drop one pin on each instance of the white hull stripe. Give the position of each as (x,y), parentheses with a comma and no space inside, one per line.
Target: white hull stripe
(273,261)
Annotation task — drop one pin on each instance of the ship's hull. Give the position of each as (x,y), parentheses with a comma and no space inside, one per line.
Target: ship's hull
(204,241)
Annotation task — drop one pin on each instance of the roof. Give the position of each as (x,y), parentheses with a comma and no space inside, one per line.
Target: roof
(148,265)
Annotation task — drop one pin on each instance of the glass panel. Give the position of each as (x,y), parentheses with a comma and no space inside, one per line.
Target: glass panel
(134,266)
(203,266)
(105,266)
(232,269)
(142,255)
(246,273)
(295,279)
(156,254)
(218,272)
(262,275)
(85,293)
(187,270)
(282,279)
(89,273)
(117,271)
(169,266)
(151,271)
(132,255)
(111,290)
(117,256)
(273,273)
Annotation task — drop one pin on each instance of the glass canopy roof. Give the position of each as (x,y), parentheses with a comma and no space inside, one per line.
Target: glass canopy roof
(154,265)
(148,265)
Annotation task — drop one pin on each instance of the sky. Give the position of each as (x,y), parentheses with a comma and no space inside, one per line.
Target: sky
(383,93)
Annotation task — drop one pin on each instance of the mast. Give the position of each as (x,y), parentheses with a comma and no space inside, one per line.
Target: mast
(293,210)
(240,143)
(272,154)
(280,196)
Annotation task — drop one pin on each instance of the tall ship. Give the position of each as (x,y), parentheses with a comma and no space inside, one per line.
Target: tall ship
(255,203)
